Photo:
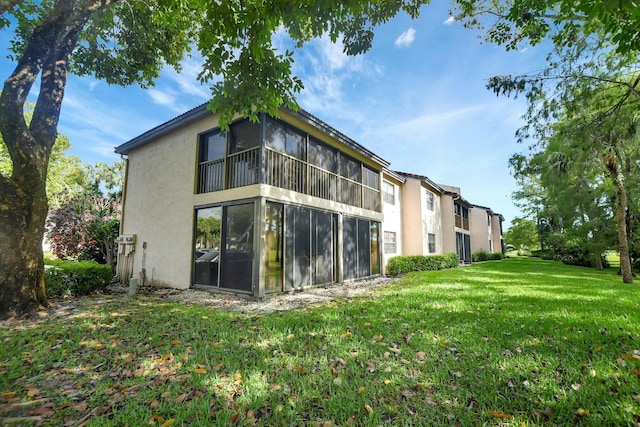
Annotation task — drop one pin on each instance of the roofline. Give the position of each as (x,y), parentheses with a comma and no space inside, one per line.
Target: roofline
(333,132)
(202,111)
(395,175)
(166,127)
(422,178)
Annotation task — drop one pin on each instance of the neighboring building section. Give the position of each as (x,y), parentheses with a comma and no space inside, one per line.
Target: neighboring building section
(486,230)
(456,228)
(421,216)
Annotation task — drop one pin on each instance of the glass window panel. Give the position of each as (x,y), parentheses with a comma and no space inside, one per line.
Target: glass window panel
(349,168)
(364,249)
(371,178)
(323,244)
(349,247)
(432,243)
(388,193)
(297,247)
(390,242)
(273,247)
(285,139)
(244,135)
(213,146)
(375,247)
(322,156)
(237,251)
(207,246)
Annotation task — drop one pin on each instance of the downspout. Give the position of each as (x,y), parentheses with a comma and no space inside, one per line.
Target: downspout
(124,190)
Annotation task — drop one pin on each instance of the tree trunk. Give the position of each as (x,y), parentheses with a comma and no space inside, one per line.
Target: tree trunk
(21,264)
(621,219)
(23,198)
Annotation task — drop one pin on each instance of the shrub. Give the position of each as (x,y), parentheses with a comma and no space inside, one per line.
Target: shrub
(483,255)
(405,264)
(64,278)
(573,254)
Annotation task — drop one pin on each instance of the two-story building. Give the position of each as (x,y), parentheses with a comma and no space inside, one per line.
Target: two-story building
(259,208)
(486,230)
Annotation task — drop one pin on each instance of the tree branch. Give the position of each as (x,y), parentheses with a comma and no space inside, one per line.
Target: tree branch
(6,5)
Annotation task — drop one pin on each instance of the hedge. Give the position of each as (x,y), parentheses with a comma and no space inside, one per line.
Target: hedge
(62,278)
(405,264)
(482,255)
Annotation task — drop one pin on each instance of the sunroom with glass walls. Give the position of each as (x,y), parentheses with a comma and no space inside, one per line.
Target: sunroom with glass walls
(312,209)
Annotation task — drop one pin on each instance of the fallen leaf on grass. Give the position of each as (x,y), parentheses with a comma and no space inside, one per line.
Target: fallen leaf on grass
(582,412)
(346,334)
(176,341)
(275,387)
(169,422)
(234,419)
(636,372)
(154,404)
(499,415)
(200,371)
(81,407)
(361,389)
(368,408)
(181,398)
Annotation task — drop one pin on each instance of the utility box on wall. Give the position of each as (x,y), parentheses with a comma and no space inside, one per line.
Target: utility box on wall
(126,251)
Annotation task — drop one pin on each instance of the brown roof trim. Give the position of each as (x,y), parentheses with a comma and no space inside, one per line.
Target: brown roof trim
(424,178)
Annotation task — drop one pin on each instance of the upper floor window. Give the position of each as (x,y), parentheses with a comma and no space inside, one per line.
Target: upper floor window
(244,136)
(285,139)
(388,193)
(430,200)
(349,168)
(371,178)
(213,146)
(322,156)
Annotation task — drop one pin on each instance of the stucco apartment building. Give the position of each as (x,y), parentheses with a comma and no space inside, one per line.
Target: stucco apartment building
(271,207)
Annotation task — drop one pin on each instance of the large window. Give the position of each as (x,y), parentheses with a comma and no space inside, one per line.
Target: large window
(360,248)
(235,151)
(322,156)
(285,139)
(223,254)
(390,242)
(388,193)
(273,248)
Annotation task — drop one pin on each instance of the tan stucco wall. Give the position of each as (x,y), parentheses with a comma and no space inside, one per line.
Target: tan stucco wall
(448,224)
(412,244)
(159,205)
(497,235)
(479,230)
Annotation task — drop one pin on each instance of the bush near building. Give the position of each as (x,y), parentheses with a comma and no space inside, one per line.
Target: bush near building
(73,278)
(406,264)
(482,255)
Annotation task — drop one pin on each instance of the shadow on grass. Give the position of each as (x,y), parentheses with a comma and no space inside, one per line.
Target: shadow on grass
(519,341)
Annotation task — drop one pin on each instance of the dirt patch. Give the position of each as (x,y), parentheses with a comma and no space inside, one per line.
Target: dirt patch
(281,302)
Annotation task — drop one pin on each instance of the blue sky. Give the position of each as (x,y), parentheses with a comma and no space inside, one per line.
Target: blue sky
(417,99)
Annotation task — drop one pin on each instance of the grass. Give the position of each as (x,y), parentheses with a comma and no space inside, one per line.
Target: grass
(514,342)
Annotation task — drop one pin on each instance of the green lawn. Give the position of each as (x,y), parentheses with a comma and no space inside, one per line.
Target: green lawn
(514,342)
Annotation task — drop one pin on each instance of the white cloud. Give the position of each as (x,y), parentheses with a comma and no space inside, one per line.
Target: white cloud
(162,97)
(450,21)
(406,38)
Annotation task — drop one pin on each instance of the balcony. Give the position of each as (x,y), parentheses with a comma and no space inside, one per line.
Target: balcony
(288,172)
(461,222)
